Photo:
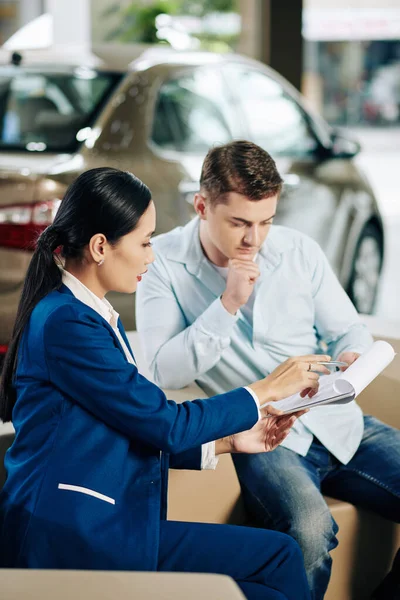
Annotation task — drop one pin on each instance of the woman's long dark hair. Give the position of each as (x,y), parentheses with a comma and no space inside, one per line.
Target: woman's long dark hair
(102,200)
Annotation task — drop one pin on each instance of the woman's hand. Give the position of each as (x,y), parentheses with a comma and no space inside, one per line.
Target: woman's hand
(296,374)
(264,436)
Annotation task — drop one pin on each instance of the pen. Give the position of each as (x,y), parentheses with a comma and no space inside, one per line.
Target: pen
(333,363)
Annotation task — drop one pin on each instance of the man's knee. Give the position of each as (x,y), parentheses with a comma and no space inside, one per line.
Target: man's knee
(316,537)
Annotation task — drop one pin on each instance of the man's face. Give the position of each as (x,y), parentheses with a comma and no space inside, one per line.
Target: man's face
(239,227)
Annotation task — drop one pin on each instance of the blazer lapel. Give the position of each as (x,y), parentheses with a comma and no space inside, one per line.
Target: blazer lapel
(65,290)
(124,337)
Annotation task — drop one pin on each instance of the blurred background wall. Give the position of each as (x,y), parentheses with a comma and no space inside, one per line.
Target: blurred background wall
(352,60)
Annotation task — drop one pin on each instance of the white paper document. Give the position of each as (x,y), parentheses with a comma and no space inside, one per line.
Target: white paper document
(341,388)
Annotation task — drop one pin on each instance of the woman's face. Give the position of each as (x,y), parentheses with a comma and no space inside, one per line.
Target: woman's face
(126,262)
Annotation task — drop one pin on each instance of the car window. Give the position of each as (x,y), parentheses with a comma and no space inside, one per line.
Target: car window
(193,112)
(274,120)
(46,110)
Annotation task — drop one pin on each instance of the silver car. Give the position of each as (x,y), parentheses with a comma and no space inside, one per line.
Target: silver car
(157,115)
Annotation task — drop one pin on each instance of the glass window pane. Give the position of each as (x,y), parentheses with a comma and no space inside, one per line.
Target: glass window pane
(193,112)
(355,82)
(274,119)
(44,111)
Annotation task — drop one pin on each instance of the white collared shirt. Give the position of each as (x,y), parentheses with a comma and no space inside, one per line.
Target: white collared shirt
(103,307)
(298,302)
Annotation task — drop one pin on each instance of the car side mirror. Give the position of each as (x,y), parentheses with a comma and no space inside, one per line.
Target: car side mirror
(342,146)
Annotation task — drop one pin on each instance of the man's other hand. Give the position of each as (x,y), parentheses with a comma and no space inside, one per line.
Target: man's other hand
(349,358)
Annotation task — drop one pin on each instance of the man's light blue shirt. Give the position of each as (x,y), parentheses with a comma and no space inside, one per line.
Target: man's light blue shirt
(188,335)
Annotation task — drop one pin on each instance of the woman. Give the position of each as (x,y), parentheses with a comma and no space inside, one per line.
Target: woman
(87,473)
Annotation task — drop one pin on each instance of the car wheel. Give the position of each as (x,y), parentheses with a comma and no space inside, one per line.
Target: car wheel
(366,269)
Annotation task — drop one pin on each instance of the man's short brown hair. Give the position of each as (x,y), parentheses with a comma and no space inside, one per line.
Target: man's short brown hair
(241,167)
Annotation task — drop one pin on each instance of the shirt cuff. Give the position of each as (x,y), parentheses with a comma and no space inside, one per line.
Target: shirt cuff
(217,321)
(256,400)
(208,459)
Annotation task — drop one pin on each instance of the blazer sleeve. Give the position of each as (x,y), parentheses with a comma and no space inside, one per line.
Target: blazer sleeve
(84,363)
(189,459)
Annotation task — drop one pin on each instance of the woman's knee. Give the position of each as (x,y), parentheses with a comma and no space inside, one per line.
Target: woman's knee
(285,545)
(293,550)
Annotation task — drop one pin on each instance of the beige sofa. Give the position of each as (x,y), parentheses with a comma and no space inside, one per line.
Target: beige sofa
(367,543)
(16,584)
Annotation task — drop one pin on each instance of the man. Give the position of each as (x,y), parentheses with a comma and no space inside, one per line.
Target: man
(228,298)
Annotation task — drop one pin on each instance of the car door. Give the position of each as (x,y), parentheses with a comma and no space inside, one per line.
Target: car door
(310,199)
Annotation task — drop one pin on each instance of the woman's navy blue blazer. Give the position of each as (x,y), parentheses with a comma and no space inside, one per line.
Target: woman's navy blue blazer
(87,473)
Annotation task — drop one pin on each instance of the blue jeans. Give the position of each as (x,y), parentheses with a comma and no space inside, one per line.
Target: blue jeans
(267,565)
(283,491)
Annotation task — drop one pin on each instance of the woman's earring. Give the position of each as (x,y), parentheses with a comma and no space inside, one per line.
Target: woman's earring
(100,262)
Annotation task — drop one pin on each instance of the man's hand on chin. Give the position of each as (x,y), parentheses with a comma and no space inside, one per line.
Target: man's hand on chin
(349,358)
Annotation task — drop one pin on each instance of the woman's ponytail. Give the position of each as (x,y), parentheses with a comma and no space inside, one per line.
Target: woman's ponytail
(43,276)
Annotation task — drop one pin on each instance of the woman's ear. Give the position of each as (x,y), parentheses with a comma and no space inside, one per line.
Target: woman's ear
(98,248)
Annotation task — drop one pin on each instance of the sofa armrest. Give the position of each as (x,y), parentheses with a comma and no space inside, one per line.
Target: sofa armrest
(382,397)
(18,584)
(190,392)
(207,496)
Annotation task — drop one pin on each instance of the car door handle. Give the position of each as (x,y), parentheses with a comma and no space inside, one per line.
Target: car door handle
(291,180)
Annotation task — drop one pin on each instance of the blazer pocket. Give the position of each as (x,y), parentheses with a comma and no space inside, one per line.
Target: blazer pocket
(87,491)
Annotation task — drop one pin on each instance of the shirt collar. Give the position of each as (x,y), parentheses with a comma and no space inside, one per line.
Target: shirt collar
(82,293)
